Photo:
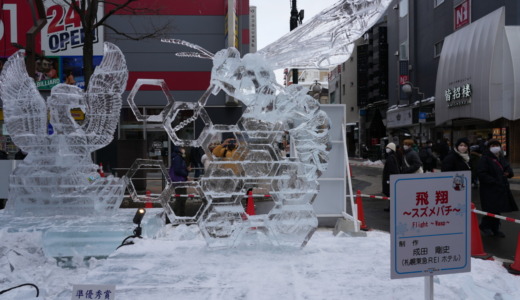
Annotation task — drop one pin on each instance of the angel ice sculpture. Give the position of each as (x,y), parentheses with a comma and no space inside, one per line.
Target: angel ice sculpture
(58,175)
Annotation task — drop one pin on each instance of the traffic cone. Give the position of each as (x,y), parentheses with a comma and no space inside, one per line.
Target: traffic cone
(148,203)
(477,249)
(101,173)
(250,207)
(350,169)
(361,213)
(514,268)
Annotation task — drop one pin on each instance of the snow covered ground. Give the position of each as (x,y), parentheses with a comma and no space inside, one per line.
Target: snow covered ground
(177,264)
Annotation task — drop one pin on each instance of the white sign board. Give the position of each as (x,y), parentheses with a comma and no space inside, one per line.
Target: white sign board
(63,33)
(430,224)
(93,291)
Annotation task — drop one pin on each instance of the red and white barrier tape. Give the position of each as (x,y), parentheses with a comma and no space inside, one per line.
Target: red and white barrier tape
(374,197)
(495,216)
(366,165)
(473,210)
(143,197)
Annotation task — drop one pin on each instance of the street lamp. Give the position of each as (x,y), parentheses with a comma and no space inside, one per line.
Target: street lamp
(408,88)
(296,18)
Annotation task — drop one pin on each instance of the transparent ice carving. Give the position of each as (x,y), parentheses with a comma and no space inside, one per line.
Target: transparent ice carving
(157,82)
(167,197)
(327,39)
(144,164)
(58,175)
(289,185)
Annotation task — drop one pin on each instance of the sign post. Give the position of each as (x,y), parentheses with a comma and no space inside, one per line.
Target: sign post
(430,225)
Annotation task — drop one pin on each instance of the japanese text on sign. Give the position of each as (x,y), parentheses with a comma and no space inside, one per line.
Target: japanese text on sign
(96,292)
(429,224)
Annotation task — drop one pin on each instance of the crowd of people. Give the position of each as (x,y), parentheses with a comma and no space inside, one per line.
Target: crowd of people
(490,171)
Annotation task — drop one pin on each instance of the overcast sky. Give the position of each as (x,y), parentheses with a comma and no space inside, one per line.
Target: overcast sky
(273,16)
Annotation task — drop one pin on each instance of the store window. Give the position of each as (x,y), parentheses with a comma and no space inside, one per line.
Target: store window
(437,2)
(403,8)
(437,48)
(130,128)
(403,50)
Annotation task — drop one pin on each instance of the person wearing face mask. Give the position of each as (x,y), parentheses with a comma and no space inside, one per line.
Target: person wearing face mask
(493,171)
(458,158)
(392,166)
(412,162)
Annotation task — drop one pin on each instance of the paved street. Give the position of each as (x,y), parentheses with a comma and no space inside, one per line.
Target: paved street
(367,179)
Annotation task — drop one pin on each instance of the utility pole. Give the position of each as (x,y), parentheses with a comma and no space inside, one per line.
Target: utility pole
(296,18)
(39,20)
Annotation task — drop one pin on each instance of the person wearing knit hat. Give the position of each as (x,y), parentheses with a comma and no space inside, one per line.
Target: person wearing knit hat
(493,171)
(458,158)
(392,166)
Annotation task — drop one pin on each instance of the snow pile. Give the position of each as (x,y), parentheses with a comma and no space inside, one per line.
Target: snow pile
(376,163)
(177,264)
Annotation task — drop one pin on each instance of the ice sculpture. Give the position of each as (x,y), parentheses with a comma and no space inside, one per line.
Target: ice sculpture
(327,39)
(58,175)
(272,112)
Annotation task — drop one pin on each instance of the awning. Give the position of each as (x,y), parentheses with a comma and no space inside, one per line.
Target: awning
(477,75)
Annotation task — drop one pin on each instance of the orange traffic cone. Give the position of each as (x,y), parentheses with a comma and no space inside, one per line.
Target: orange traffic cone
(148,203)
(350,169)
(360,211)
(477,249)
(250,208)
(514,268)
(101,173)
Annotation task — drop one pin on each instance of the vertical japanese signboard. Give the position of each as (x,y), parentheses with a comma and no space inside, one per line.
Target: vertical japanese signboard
(430,224)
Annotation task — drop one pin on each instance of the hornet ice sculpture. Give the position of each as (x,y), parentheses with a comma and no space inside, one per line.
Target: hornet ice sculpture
(272,111)
(58,175)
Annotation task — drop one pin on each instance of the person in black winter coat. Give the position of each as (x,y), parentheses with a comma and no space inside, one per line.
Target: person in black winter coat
(392,166)
(196,154)
(428,160)
(412,162)
(458,158)
(493,171)
(179,173)
(444,148)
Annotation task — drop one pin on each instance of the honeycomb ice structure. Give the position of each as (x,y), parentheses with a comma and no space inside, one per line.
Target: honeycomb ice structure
(258,163)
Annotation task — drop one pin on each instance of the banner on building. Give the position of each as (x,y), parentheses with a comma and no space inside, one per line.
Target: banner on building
(61,41)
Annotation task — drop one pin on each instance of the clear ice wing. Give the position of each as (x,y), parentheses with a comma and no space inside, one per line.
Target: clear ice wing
(327,39)
(25,110)
(104,97)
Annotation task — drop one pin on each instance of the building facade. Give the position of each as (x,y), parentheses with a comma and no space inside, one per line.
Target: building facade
(438,46)
(213,25)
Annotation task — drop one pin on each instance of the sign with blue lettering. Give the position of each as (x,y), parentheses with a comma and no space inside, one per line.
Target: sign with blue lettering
(93,291)
(430,224)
